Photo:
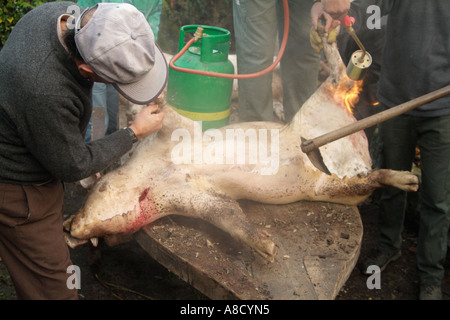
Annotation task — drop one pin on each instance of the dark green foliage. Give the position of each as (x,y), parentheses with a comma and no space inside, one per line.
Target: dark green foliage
(11,11)
(174,15)
(177,13)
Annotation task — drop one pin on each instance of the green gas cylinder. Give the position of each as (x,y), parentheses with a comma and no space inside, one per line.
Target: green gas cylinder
(199,97)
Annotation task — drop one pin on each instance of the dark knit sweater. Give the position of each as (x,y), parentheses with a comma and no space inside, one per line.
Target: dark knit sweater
(45,107)
(416,56)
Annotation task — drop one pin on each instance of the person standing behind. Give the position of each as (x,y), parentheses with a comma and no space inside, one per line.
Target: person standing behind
(104,95)
(256,23)
(415,62)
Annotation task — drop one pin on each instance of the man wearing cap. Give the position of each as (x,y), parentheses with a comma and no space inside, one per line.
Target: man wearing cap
(104,95)
(47,69)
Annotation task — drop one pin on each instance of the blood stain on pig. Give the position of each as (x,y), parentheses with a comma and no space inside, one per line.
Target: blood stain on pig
(144,194)
(147,212)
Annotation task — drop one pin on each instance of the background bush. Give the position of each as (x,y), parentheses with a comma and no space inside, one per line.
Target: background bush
(10,12)
(174,15)
(177,13)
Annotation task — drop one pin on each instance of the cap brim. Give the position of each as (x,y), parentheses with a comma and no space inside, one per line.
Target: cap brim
(150,86)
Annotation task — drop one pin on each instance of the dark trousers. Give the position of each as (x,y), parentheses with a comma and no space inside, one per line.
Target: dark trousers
(256,24)
(32,243)
(400,136)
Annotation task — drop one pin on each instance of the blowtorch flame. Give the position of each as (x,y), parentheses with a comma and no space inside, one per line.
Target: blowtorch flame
(351,97)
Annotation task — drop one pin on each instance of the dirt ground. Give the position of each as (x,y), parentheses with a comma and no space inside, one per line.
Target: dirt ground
(127,272)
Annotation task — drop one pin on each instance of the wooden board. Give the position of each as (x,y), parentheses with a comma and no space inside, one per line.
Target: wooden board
(318,245)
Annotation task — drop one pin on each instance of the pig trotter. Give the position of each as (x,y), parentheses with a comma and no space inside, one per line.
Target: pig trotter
(227,215)
(402,180)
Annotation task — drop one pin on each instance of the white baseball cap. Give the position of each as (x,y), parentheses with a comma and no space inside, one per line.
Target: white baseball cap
(118,44)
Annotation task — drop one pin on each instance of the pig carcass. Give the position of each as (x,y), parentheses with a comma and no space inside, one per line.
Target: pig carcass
(181,170)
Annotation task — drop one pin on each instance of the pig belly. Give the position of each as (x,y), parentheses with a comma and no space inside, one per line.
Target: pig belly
(294,182)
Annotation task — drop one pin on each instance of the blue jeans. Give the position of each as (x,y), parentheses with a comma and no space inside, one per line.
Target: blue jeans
(105,96)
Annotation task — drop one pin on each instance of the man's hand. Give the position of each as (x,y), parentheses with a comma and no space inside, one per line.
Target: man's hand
(337,9)
(332,11)
(147,121)
(317,13)
(316,40)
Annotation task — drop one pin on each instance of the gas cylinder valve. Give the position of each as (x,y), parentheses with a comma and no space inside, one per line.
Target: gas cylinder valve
(198,34)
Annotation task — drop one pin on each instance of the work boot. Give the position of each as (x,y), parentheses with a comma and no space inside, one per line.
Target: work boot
(379,259)
(430,292)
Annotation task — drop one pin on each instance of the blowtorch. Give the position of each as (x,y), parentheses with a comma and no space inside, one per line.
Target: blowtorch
(360,60)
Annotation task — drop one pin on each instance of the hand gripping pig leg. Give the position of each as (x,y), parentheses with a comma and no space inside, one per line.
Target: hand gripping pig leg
(225,214)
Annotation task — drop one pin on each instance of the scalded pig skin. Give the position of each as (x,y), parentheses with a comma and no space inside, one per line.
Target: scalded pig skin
(150,186)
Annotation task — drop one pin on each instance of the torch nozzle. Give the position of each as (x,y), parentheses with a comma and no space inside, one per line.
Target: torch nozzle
(352,32)
(360,60)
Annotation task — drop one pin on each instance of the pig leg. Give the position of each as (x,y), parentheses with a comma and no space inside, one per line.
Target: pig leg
(226,214)
(352,191)
(155,203)
(402,180)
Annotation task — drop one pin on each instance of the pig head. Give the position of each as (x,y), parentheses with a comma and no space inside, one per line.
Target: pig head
(182,170)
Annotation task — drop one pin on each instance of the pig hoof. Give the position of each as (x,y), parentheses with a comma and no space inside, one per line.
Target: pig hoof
(403,180)
(268,251)
(407,182)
